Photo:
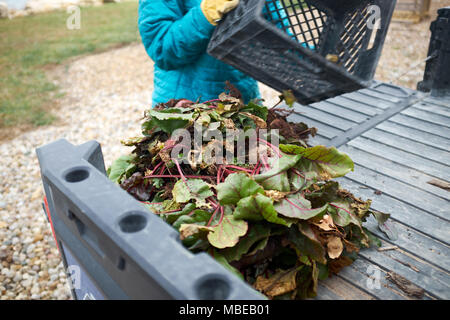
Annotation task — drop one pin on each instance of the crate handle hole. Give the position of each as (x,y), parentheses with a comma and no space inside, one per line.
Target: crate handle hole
(132,223)
(213,288)
(76,175)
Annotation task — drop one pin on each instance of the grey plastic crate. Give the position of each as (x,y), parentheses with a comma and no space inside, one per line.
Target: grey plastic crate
(115,248)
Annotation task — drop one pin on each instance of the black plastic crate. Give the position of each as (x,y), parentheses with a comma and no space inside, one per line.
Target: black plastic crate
(436,78)
(317,48)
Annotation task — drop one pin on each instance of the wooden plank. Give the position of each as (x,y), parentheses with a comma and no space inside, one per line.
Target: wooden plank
(328,119)
(345,290)
(416,135)
(336,109)
(408,145)
(411,195)
(401,211)
(392,90)
(421,125)
(395,170)
(427,116)
(355,105)
(415,242)
(443,102)
(380,95)
(318,140)
(435,281)
(375,102)
(432,108)
(325,131)
(401,157)
(370,278)
(323,293)
(406,214)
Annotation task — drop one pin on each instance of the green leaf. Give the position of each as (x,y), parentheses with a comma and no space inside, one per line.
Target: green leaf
(169,114)
(277,178)
(192,189)
(258,246)
(120,167)
(296,206)
(326,162)
(228,232)
(154,207)
(373,240)
(342,214)
(384,224)
(158,182)
(380,216)
(223,261)
(306,243)
(292,149)
(235,187)
(255,233)
(323,271)
(257,110)
(258,207)
(168,120)
(166,205)
(193,230)
(284,163)
(200,217)
(188,208)
(279,182)
(389,229)
(302,180)
(328,193)
(132,141)
(204,119)
(288,97)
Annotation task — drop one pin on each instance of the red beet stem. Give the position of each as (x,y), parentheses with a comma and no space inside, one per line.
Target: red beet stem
(221,217)
(277,150)
(180,171)
(263,160)
(177,176)
(212,216)
(219,174)
(237,168)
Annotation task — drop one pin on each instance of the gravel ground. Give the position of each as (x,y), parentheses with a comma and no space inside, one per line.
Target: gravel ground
(106,94)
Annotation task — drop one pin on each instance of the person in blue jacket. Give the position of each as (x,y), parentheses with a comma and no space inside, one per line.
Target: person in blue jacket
(175,34)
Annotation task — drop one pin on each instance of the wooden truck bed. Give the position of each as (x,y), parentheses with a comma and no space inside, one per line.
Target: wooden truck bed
(399,141)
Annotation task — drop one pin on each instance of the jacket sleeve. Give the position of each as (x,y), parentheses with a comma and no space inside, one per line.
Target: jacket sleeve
(173,39)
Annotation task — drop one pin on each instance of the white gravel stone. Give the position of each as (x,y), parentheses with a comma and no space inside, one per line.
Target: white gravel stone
(26,283)
(17,277)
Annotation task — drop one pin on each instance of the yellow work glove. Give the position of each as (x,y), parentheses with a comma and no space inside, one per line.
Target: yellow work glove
(215,9)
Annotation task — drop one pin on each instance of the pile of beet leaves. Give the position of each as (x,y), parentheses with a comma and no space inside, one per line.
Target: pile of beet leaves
(281,224)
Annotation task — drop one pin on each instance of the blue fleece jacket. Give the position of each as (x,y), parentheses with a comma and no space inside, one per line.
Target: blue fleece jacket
(175,34)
